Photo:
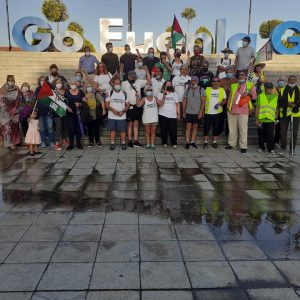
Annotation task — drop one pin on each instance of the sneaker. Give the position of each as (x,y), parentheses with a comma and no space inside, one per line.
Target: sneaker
(187,146)
(205,145)
(276,146)
(43,145)
(294,152)
(70,147)
(282,152)
(98,144)
(130,144)
(193,145)
(148,146)
(52,145)
(32,154)
(38,153)
(243,150)
(228,147)
(272,152)
(90,145)
(260,150)
(57,147)
(215,145)
(112,146)
(137,144)
(165,145)
(174,146)
(79,146)
(152,147)
(124,147)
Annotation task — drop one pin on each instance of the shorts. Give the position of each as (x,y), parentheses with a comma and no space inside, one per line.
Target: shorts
(134,114)
(211,120)
(116,125)
(193,119)
(153,123)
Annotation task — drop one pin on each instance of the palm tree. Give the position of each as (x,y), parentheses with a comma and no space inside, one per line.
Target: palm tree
(188,13)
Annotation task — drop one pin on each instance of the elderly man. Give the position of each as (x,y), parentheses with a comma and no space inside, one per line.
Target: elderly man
(195,62)
(244,55)
(238,108)
(192,111)
(87,62)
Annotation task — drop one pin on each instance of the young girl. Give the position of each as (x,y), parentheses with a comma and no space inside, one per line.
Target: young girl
(33,137)
(150,115)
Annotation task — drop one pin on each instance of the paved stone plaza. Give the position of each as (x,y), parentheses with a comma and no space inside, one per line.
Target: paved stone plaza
(152,225)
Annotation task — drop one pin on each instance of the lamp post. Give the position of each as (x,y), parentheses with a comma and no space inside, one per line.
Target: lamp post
(8,27)
(249,20)
(129,15)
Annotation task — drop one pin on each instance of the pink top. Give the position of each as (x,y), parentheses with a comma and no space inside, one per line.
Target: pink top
(244,110)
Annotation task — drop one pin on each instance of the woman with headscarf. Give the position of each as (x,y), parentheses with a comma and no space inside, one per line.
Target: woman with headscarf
(9,113)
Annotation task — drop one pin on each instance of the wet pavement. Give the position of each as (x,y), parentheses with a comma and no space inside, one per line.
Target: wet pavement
(151,225)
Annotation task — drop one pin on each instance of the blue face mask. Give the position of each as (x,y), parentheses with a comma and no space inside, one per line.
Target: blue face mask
(150,55)
(78,78)
(241,81)
(229,75)
(281,83)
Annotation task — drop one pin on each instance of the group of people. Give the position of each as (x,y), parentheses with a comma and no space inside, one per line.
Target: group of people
(155,91)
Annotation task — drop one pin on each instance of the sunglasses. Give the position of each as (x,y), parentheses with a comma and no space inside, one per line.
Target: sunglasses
(149,91)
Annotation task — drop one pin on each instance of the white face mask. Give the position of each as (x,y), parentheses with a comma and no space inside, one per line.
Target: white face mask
(245,44)
(25,89)
(110,50)
(10,83)
(73,87)
(89,89)
(58,86)
(87,53)
(117,87)
(140,64)
(292,85)
(149,93)
(127,51)
(42,82)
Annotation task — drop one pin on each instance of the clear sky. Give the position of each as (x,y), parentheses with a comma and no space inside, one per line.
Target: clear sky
(155,15)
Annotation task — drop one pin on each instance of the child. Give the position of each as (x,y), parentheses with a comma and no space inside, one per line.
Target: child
(150,115)
(33,137)
(117,105)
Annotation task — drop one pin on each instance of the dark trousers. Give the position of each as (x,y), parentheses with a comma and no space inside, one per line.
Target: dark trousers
(284,126)
(73,128)
(277,133)
(266,135)
(168,127)
(94,131)
(24,126)
(223,122)
(211,120)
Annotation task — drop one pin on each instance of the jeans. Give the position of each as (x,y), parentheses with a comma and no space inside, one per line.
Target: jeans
(46,125)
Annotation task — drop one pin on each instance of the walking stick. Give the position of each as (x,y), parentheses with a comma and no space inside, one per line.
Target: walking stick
(292,134)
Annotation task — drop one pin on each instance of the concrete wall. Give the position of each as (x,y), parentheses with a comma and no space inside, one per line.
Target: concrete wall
(28,66)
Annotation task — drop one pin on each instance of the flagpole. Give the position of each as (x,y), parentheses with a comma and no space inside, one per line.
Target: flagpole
(249,20)
(8,26)
(129,15)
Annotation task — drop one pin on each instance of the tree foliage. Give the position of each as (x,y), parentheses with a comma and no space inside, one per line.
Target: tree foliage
(188,13)
(55,11)
(265,28)
(74,26)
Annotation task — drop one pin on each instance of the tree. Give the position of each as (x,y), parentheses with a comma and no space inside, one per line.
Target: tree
(203,29)
(265,28)
(55,11)
(188,13)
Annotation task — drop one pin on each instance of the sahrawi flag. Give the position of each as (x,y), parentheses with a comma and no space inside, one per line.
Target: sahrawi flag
(176,33)
(52,99)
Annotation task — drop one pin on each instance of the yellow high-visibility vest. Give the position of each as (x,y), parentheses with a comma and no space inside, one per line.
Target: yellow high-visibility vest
(208,98)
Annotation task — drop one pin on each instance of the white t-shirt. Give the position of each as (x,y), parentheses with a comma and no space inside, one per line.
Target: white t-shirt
(180,84)
(129,90)
(223,62)
(156,86)
(176,68)
(214,99)
(140,73)
(150,113)
(117,100)
(103,82)
(168,109)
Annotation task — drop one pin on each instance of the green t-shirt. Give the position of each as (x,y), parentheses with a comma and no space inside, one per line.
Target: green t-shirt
(258,103)
(166,74)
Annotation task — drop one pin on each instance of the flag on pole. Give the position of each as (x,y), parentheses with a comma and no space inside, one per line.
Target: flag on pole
(51,98)
(176,33)
(265,52)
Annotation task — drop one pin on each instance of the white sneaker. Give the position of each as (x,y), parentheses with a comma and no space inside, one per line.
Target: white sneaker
(260,150)
(277,146)
(174,146)
(165,145)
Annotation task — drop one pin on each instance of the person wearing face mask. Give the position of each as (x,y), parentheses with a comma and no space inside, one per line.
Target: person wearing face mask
(45,117)
(141,70)
(117,105)
(157,81)
(60,125)
(196,61)
(244,55)
(226,83)
(239,107)
(281,83)
(111,60)
(168,114)
(127,61)
(79,80)
(132,87)
(289,103)
(205,75)
(224,62)
(75,127)
(87,62)
(150,60)
(164,64)
(150,115)
(259,77)
(9,113)
(192,112)
(27,101)
(213,99)
(55,75)
(95,112)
